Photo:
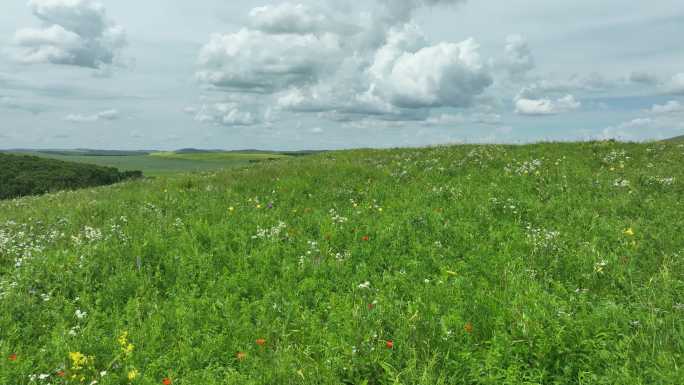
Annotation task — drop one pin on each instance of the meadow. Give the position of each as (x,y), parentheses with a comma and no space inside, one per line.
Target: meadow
(162,163)
(540,264)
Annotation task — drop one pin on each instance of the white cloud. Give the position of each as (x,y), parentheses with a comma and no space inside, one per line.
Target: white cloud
(446,74)
(74,32)
(676,84)
(664,121)
(518,57)
(536,107)
(667,108)
(287,18)
(254,61)
(226,114)
(316,130)
(303,60)
(109,115)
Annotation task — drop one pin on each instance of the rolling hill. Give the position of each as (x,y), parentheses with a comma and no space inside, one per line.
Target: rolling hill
(540,264)
(29,175)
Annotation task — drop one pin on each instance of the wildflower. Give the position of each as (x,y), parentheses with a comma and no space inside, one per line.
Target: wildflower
(389,344)
(77,360)
(364,285)
(231,209)
(258,206)
(365,238)
(468,327)
(12,357)
(261,342)
(241,356)
(60,373)
(371,306)
(133,374)
(167,381)
(629,232)
(80,314)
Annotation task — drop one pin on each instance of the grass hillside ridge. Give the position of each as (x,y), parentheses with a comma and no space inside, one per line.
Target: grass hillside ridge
(29,175)
(539,264)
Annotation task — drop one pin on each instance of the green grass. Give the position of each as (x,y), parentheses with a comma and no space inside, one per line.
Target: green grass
(230,156)
(166,163)
(541,264)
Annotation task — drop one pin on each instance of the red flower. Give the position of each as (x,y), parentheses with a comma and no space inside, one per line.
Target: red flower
(468,327)
(60,373)
(240,356)
(12,357)
(261,342)
(365,238)
(389,344)
(167,381)
(371,306)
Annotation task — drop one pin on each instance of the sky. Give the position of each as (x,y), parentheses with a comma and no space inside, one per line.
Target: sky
(333,74)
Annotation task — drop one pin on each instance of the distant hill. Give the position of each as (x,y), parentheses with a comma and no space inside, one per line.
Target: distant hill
(22,175)
(676,139)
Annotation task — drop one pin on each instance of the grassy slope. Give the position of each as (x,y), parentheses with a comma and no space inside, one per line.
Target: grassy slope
(477,275)
(164,164)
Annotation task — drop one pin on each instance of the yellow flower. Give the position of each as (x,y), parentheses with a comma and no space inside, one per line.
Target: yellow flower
(77,360)
(133,374)
(123,339)
(128,349)
(231,209)
(629,232)
(258,206)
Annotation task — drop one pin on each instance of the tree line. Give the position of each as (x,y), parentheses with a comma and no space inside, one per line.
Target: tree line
(22,175)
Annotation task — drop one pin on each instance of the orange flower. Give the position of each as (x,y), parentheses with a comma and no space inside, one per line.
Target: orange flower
(371,306)
(12,357)
(240,356)
(468,327)
(60,373)
(167,381)
(389,344)
(365,238)
(261,342)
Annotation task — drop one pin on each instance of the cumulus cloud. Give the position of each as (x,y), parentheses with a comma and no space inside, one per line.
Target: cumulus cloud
(301,59)
(288,18)
(545,106)
(226,114)
(254,61)
(108,115)
(676,84)
(518,58)
(662,121)
(670,107)
(74,32)
(446,74)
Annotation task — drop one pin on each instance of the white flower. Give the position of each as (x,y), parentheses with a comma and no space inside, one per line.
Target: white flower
(80,314)
(364,285)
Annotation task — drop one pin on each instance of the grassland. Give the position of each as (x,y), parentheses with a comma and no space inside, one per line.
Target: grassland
(541,264)
(163,163)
